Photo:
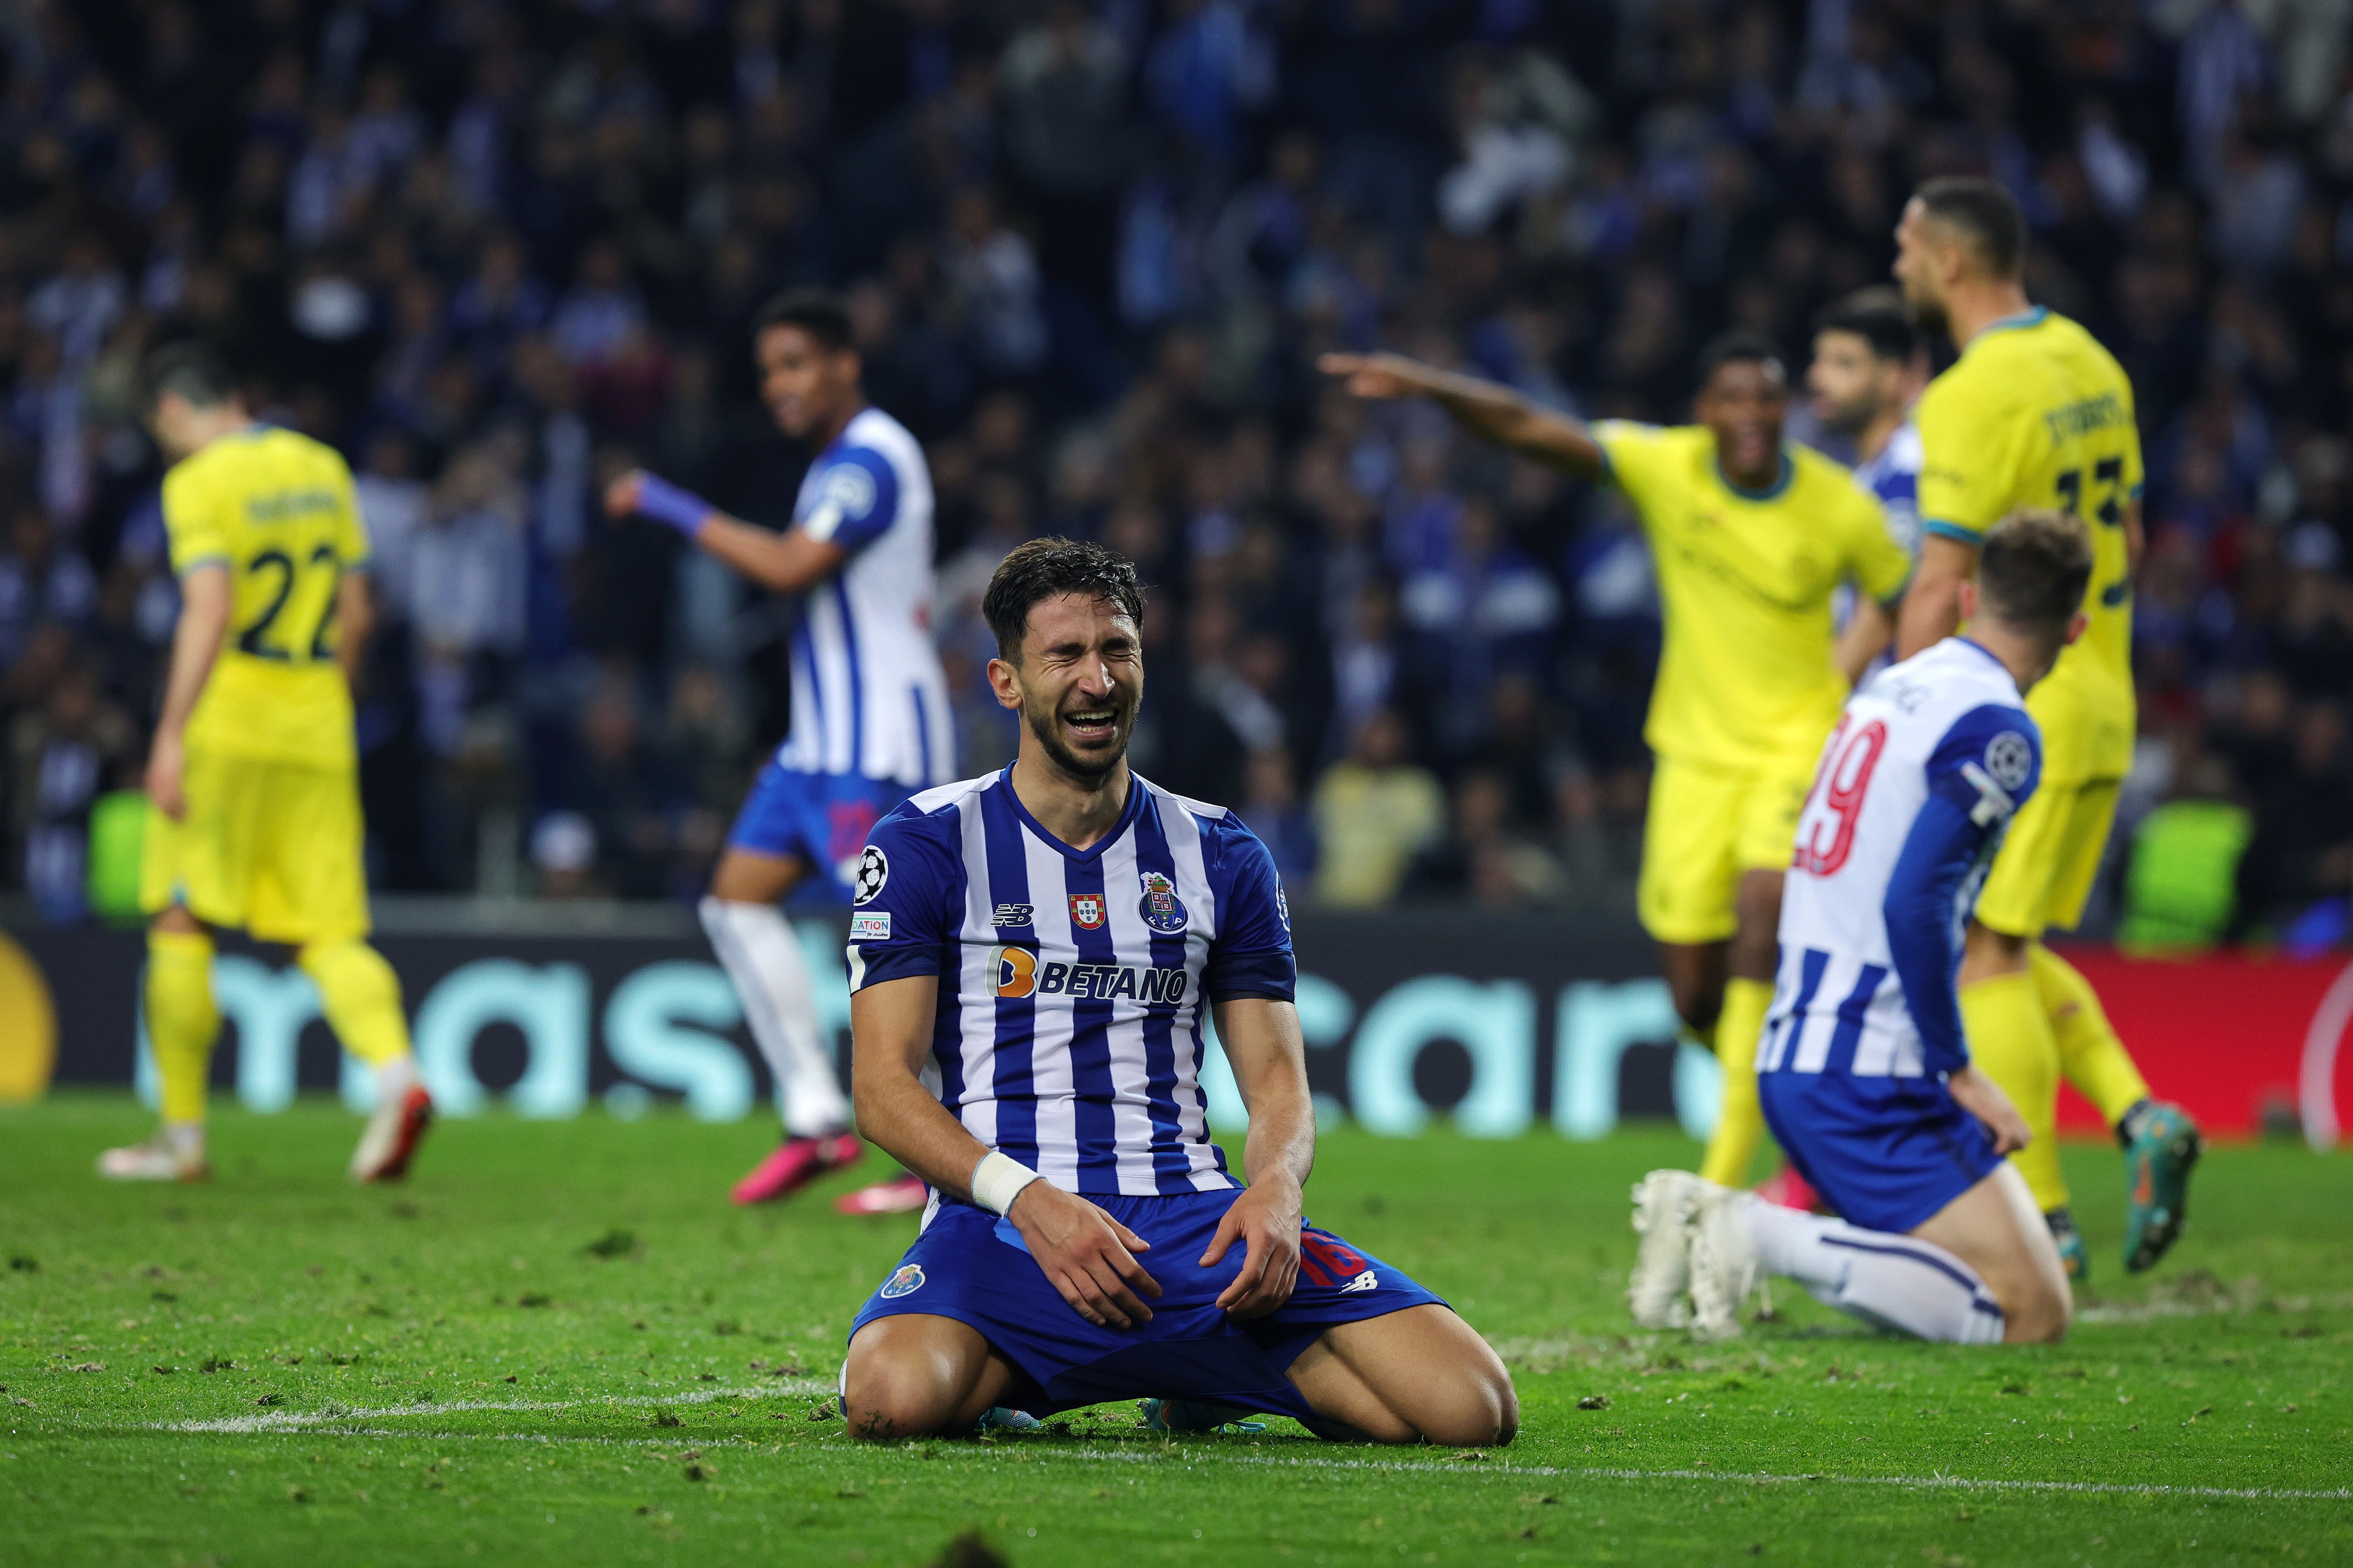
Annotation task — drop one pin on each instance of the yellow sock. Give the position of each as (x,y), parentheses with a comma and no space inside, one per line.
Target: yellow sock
(2091,1056)
(181,1019)
(1740,1126)
(361,996)
(2010,1041)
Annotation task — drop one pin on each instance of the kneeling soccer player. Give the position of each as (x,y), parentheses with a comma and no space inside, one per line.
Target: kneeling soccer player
(1033,957)
(1863,1069)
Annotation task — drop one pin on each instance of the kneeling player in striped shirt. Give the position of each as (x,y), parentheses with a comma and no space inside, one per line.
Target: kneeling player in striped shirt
(1034,957)
(1863,1069)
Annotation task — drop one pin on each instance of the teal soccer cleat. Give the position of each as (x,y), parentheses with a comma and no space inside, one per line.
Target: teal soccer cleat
(1195,1415)
(2161,1145)
(2074,1256)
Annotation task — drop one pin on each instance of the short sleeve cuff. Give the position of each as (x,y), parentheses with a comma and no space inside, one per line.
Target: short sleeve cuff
(1944,529)
(1272,974)
(873,966)
(198,562)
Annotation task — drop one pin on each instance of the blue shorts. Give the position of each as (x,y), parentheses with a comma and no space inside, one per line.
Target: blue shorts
(974,1267)
(1888,1152)
(822,817)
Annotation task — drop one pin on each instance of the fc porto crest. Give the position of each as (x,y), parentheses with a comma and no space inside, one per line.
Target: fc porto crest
(1162,910)
(906,1282)
(1087,910)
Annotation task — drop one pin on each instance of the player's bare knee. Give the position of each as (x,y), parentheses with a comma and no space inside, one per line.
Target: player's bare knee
(1474,1412)
(2036,1312)
(884,1399)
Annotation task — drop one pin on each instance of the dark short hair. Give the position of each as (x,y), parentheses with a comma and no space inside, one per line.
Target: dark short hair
(2033,568)
(1877,316)
(813,310)
(1042,569)
(1737,347)
(186,369)
(1985,214)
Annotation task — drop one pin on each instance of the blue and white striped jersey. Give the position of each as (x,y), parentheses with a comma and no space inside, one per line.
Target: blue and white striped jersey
(868,695)
(1074,984)
(1894,478)
(1915,788)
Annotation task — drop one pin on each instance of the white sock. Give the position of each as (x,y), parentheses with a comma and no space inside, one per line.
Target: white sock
(763,957)
(1898,1282)
(395,1077)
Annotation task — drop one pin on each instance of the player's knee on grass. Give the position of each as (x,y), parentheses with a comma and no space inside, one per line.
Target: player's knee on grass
(1421,1376)
(911,1376)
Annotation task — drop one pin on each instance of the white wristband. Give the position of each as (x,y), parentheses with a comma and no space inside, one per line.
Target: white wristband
(997,1180)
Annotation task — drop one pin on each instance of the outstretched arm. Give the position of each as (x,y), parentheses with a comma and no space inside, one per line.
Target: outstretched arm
(1262,1045)
(786,562)
(1089,1256)
(1496,413)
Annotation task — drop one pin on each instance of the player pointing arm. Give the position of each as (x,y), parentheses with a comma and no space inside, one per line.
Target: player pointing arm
(1750,537)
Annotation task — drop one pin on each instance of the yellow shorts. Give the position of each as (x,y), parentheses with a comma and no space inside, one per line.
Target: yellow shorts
(2044,872)
(271,849)
(1705,826)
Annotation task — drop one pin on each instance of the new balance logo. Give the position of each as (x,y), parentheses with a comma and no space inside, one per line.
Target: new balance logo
(1368,1280)
(1013,914)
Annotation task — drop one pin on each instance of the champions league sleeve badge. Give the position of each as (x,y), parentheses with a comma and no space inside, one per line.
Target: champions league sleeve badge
(1162,910)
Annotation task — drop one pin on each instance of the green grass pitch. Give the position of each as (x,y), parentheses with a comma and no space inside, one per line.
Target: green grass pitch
(557,1343)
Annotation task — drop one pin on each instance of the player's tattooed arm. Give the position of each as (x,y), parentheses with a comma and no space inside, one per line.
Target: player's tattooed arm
(1263,1042)
(204,604)
(1089,1257)
(1484,407)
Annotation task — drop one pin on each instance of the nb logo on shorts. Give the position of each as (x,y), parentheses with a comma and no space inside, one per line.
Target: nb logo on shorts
(906,1282)
(1368,1280)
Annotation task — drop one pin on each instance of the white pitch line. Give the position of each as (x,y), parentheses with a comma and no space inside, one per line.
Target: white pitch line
(1155,1454)
(1953,1483)
(304,1420)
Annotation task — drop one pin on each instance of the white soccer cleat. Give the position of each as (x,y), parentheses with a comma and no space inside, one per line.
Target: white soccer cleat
(153,1161)
(403,1112)
(1723,1264)
(1663,1201)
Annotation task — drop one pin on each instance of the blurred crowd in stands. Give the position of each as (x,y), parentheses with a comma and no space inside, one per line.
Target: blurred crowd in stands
(497,250)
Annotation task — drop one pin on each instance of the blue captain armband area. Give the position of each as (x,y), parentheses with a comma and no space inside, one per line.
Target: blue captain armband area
(856,500)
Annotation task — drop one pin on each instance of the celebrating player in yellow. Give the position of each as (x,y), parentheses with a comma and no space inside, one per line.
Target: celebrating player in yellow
(254,775)
(2036,412)
(1752,538)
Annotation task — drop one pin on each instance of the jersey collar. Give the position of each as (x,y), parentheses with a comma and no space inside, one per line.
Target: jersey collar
(1770,493)
(1987,654)
(1127,816)
(2033,316)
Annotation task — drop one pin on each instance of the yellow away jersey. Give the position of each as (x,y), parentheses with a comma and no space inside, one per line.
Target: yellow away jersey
(277,512)
(2036,412)
(1745,581)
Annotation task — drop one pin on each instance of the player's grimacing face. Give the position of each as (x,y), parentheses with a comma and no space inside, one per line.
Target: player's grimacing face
(1846,380)
(806,386)
(1079,684)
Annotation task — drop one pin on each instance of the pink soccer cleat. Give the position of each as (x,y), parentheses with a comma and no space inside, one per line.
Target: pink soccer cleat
(902,1193)
(392,1136)
(796,1163)
(1790,1190)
